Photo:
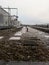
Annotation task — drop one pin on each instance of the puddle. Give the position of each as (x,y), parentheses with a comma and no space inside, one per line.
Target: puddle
(1,37)
(24,30)
(18,34)
(14,38)
(47,36)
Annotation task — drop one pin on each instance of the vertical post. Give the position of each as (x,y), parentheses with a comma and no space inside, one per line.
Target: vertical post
(8,16)
(17,13)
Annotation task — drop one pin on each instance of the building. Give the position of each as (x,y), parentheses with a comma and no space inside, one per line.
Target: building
(7,20)
(15,23)
(4,17)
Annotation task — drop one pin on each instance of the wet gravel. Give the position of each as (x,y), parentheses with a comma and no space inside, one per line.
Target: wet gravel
(29,48)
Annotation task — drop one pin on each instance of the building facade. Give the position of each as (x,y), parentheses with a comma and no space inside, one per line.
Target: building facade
(7,20)
(4,17)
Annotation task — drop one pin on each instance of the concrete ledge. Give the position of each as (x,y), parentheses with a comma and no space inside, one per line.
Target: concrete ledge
(26,63)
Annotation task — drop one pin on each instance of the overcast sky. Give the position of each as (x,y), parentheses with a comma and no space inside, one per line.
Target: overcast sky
(30,11)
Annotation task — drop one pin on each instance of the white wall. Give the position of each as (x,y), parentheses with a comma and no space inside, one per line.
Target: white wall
(5,17)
